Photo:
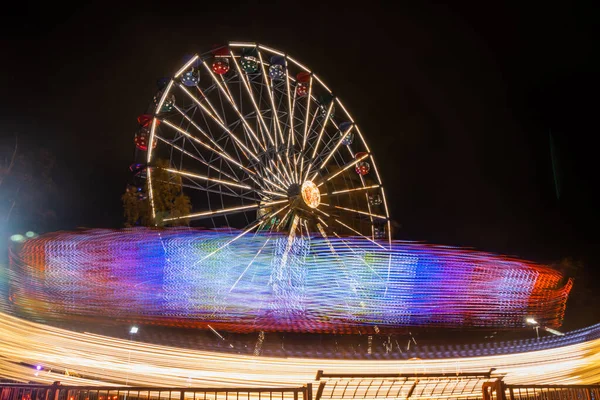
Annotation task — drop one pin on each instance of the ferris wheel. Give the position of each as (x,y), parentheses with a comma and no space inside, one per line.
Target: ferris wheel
(259,143)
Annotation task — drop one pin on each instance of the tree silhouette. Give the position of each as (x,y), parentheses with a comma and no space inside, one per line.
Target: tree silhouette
(169,199)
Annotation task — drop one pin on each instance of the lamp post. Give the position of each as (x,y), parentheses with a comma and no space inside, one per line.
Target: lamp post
(536,325)
(132,331)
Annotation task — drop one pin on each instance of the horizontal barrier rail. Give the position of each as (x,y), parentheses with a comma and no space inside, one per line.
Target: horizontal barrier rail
(501,391)
(59,392)
(391,387)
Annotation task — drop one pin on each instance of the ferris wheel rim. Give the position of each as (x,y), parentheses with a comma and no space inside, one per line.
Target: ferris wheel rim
(275,184)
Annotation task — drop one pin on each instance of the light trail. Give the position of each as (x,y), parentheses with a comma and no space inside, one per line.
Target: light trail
(108,360)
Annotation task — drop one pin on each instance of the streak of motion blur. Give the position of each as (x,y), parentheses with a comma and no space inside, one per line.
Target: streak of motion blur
(86,359)
(193,277)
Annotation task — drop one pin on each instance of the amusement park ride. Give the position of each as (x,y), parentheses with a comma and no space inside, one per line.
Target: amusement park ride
(292,228)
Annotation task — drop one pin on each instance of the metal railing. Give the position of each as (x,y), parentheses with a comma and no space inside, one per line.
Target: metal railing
(59,392)
(334,387)
(501,391)
(402,386)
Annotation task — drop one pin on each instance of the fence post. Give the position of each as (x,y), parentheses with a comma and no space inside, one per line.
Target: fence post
(490,387)
(320,390)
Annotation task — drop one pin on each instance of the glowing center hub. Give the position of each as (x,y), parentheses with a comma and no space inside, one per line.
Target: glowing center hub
(311,194)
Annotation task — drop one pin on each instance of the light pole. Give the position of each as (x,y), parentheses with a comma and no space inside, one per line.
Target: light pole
(536,325)
(132,331)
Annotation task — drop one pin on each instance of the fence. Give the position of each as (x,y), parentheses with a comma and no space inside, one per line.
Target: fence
(334,387)
(56,392)
(500,391)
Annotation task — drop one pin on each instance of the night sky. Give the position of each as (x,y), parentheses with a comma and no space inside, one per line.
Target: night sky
(456,102)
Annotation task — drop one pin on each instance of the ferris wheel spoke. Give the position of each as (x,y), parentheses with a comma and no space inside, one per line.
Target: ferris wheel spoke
(344,168)
(196,186)
(291,100)
(370,211)
(228,211)
(207,178)
(361,212)
(338,192)
(249,265)
(245,150)
(248,88)
(332,152)
(283,178)
(199,129)
(187,153)
(271,97)
(224,155)
(357,256)
(245,232)
(223,87)
(286,161)
(316,147)
(358,233)
(290,239)
(306,126)
(249,91)
(222,182)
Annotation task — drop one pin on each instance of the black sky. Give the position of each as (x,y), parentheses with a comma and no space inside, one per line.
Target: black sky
(457,103)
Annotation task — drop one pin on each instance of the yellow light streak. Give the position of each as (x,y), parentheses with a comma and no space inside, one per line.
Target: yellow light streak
(341,139)
(251,95)
(109,360)
(271,50)
(233,136)
(298,64)
(358,233)
(218,212)
(322,84)
(228,210)
(353,163)
(272,214)
(242,44)
(163,97)
(351,190)
(361,212)
(316,148)
(207,146)
(232,103)
(344,108)
(186,66)
(187,153)
(206,178)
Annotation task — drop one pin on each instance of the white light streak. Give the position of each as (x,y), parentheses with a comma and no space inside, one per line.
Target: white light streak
(345,168)
(351,190)
(206,178)
(233,136)
(298,64)
(110,359)
(358,233)
(186,66)
(249,264)
(163,97)
(271,50)
(361,212)
(233,105)
(337,145)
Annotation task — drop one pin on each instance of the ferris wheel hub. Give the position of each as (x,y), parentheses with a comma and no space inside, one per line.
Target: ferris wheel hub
(311,194)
